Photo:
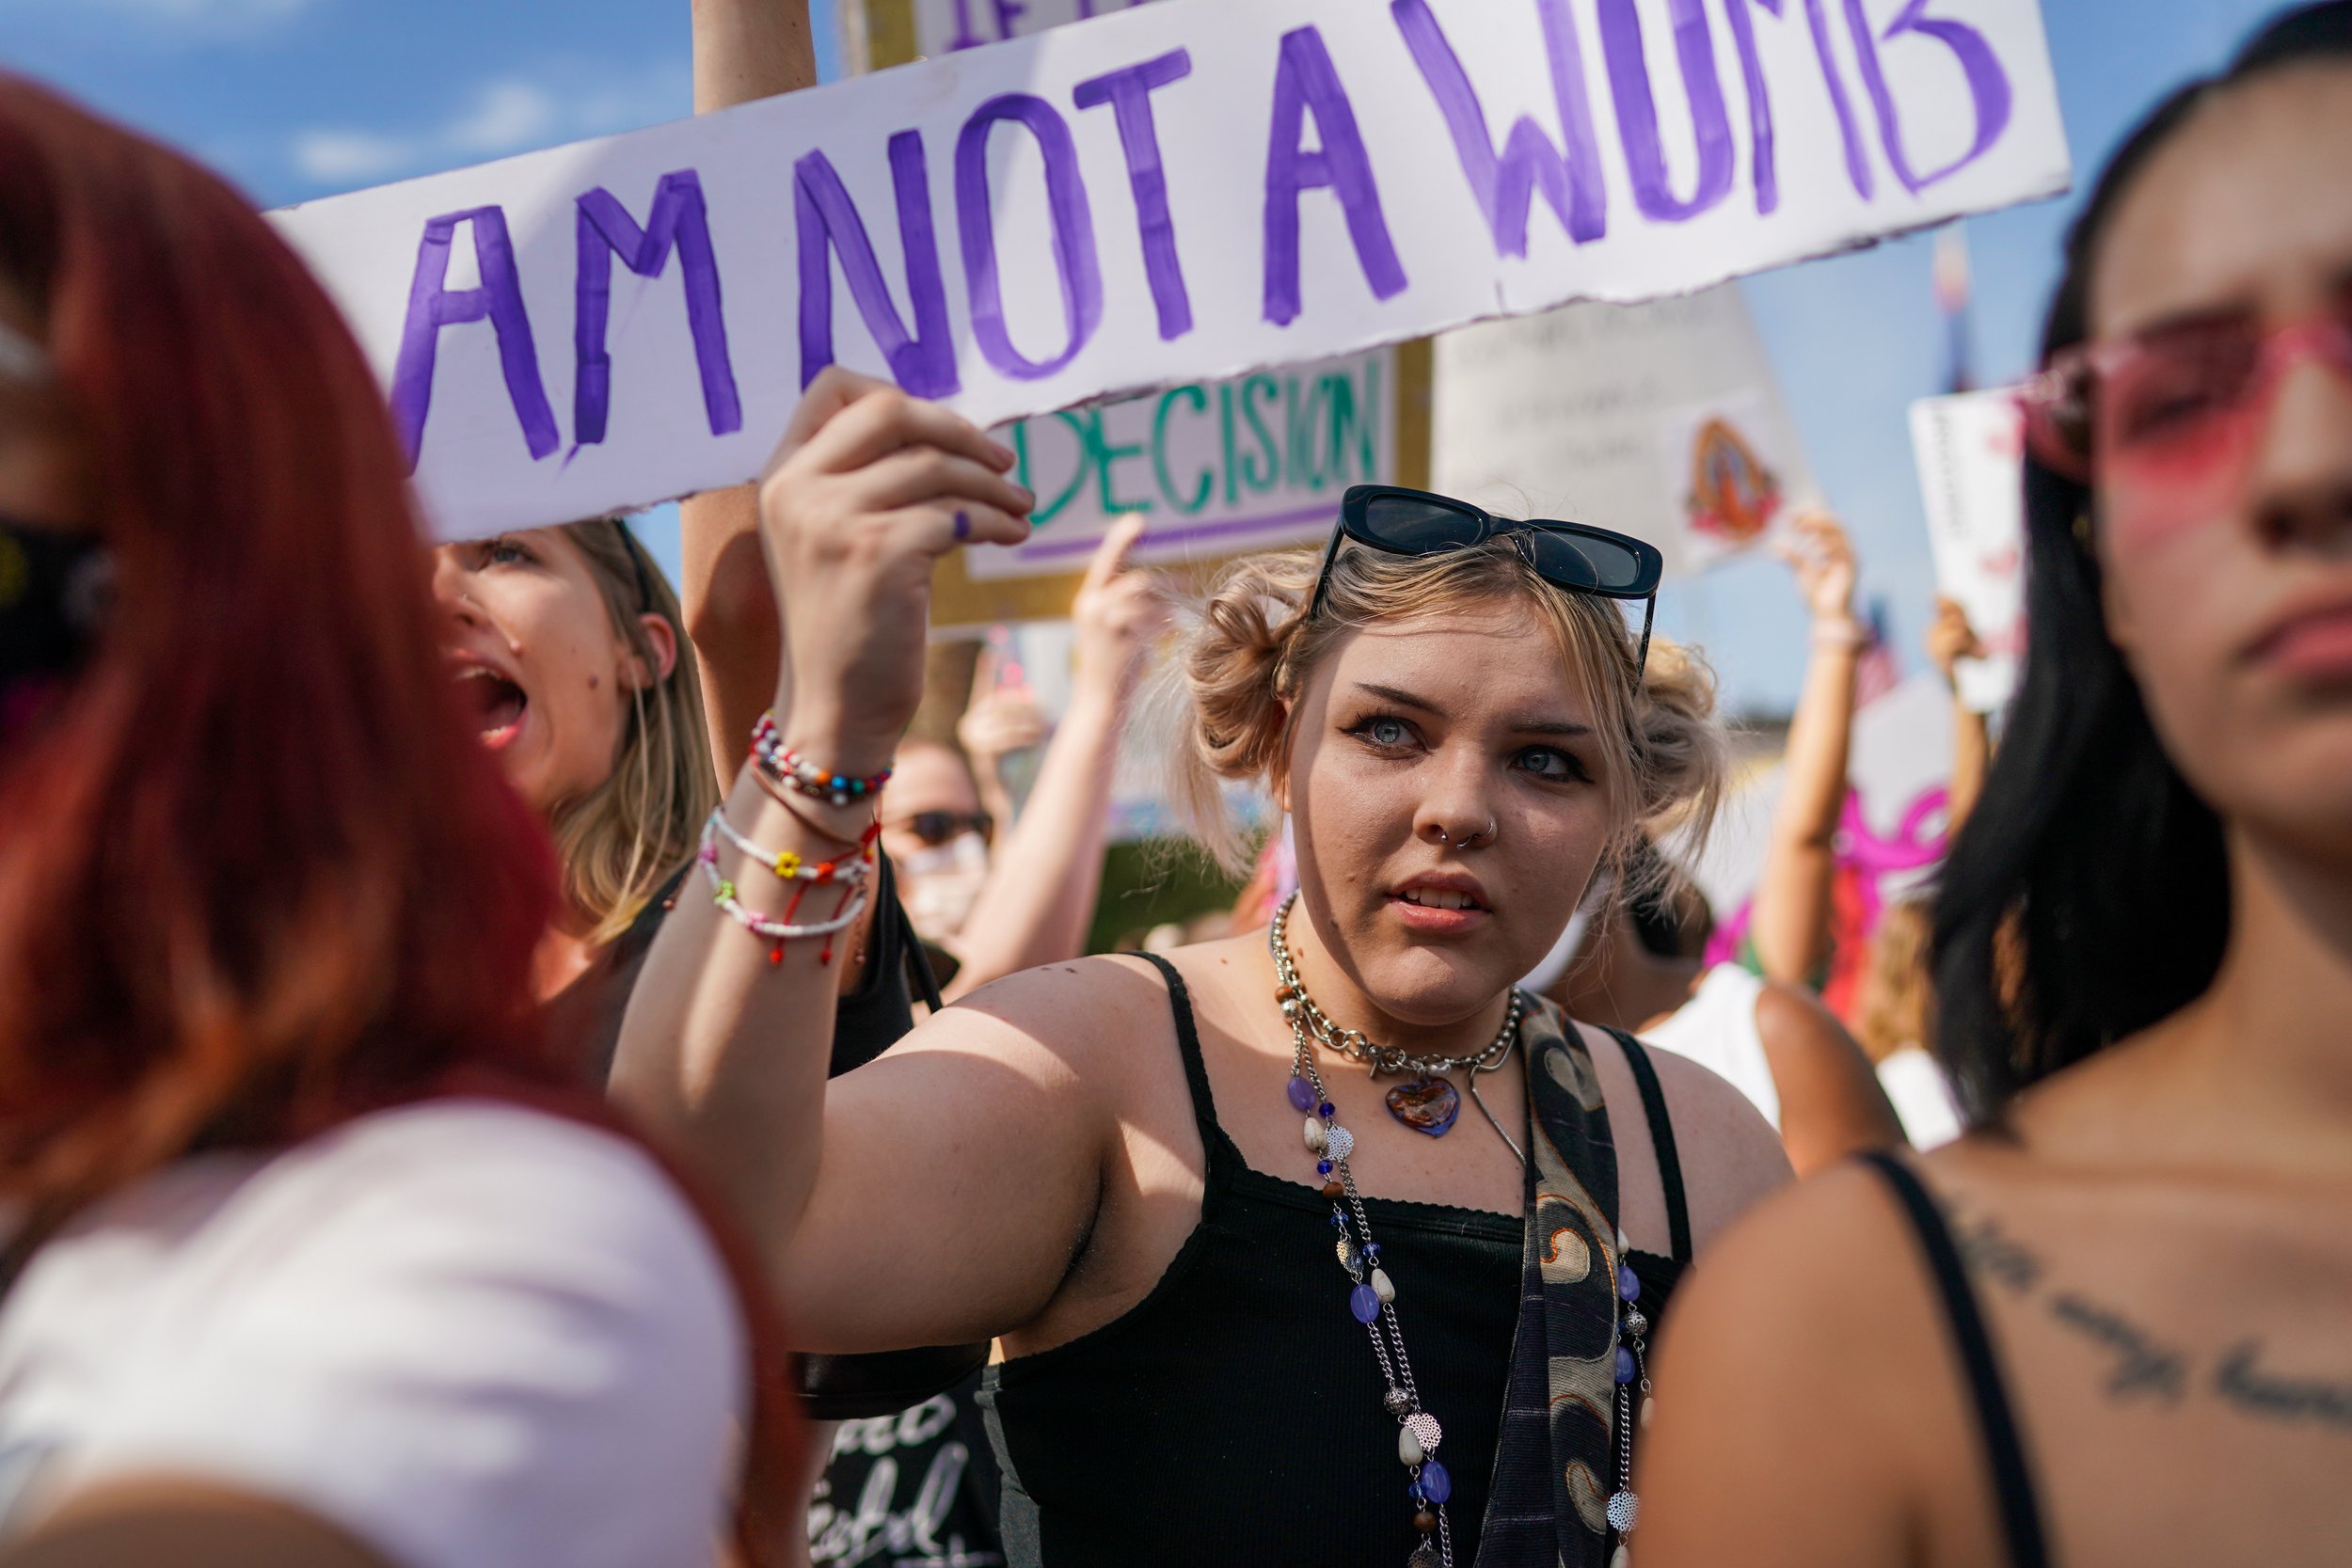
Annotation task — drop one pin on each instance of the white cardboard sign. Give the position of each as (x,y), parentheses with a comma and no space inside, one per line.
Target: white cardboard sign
(947,26)
(1239,464)
(1971,452)
(1660,420)
(1175,193)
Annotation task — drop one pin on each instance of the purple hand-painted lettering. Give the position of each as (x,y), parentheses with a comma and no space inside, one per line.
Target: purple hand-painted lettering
(1304,81)
(924,360)
(433,305)
(1129,94)
(1987,84)
(1074,257)
(679,221)
(1637,112)
(1008,12)
(1572,182)
(1760,106)
(965,37)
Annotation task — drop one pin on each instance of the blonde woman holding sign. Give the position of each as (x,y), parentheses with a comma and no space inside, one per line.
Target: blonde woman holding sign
(1255,1302)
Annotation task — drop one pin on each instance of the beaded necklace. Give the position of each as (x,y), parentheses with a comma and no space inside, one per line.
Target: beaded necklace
(1372,1298)
(1372,1295)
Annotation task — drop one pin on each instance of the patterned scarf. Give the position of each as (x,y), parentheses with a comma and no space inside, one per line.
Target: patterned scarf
(1553,1462)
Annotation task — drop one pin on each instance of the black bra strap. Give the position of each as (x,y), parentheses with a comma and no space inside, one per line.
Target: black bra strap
(1662,1137)
(1213,1140)
(2012,1481)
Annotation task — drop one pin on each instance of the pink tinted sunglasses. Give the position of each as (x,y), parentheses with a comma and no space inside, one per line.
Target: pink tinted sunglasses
(2173,402)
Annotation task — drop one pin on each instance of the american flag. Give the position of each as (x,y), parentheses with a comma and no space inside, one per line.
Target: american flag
(1876,673)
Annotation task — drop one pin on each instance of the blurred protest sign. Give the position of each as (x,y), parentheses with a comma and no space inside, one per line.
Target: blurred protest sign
(1971,452)
(1216,470)
(885,33)
(1892,831)
(1660,420)
(1170,195)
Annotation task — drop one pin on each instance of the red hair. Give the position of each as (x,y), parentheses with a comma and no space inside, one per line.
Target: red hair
(258,874)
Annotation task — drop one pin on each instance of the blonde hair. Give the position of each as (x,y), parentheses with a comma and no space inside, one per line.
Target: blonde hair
(620,841)
(1897,987)
(1254,648)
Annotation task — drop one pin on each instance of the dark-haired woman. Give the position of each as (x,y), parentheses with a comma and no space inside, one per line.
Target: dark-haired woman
(315,1256)
(2113,1326)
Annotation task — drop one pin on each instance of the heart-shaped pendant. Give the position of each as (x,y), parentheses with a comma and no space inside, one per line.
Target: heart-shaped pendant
(1425,1105)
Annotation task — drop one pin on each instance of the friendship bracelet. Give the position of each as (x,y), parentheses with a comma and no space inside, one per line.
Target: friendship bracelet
(1849,634)
(789,767)
(777,932)
(791,801)
(851,869)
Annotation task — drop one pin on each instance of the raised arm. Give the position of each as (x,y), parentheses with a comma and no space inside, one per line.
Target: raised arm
(1789,920)
(743,50)
(936,1196)
(1039,897)
(1951,639)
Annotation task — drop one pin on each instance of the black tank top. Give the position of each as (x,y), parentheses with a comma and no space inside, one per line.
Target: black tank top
(2014,1491)
(1234,1414)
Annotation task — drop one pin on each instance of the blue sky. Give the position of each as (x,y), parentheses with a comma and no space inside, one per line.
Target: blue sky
(303,98)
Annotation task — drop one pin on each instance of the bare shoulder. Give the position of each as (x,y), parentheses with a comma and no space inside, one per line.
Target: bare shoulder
(1731,1156)
(1796,1015)
(1795,1352)
(1087,1014)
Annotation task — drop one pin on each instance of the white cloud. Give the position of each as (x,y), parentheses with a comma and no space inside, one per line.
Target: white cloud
(504,114)
(347,157)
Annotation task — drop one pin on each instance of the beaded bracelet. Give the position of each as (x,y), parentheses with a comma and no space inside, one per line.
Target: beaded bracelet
(851,869)
(789,767)
(777,932)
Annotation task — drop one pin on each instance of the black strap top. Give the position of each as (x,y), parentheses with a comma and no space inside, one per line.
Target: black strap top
(2004,1450)
(1234,1414)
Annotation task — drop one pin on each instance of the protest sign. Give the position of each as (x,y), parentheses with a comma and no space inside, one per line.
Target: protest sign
(893,32)
(1893,830)
(1971,452)
(1216,470)
(1660,420)
(1173,194)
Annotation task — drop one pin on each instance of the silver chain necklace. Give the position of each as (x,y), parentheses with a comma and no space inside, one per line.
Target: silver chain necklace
(1427,1104)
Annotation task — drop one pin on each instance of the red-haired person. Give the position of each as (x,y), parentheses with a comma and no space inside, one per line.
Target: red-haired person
(311,1258)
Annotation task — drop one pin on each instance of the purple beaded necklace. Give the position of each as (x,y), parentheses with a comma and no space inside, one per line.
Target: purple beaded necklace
(1371,1297)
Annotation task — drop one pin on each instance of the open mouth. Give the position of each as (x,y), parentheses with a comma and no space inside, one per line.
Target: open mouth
(1437,898)
(498,704)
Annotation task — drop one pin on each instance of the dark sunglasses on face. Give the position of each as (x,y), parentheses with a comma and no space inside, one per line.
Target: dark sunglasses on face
(1575,556)
(2176,403)
(935,828)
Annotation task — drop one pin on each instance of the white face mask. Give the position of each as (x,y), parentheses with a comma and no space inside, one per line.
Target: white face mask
(940,885)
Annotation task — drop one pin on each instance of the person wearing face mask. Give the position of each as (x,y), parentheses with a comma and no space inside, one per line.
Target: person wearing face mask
(1256,1303)
(1032,901)
(2108,1325)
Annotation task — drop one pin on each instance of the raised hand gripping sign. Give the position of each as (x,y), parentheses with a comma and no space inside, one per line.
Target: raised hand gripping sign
(1164,196)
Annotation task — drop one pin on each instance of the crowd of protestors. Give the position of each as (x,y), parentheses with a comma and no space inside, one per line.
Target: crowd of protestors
(504,1061)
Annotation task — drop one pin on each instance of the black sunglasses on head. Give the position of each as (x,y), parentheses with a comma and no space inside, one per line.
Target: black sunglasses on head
(1573,556)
